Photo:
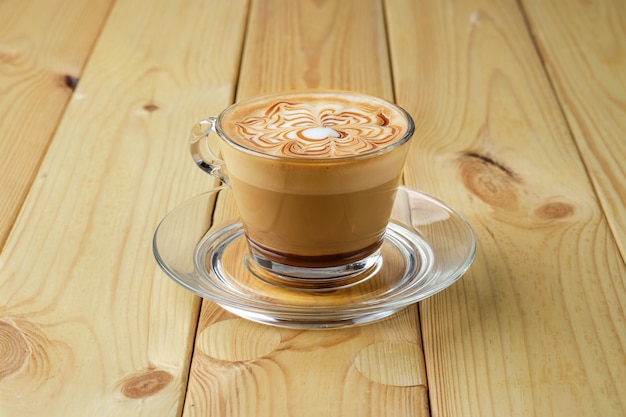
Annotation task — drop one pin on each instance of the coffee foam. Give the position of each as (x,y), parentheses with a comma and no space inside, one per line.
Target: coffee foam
(314,125)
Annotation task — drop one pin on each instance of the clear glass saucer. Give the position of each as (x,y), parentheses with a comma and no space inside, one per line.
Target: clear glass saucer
(427,247)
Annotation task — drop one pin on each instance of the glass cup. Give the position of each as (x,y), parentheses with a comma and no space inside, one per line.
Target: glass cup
(314,175)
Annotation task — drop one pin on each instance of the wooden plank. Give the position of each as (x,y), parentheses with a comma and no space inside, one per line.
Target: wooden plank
(583,45)
(242,368)
(308,44)
(537,326)
(41,60)
(88,323)
(245,369)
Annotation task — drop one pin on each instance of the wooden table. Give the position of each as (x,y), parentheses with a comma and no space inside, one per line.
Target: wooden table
(520,110)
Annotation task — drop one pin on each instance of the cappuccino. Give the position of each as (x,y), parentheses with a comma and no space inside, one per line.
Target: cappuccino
(314,125)
(314,174)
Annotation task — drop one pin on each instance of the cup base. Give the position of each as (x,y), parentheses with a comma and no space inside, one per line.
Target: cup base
(317,279)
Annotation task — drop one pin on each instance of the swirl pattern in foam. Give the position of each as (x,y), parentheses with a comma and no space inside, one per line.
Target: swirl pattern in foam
(311,126)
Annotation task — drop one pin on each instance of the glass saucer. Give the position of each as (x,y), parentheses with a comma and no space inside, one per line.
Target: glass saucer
(427,247)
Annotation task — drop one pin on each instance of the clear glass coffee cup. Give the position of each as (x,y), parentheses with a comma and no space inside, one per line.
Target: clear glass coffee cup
(314,175)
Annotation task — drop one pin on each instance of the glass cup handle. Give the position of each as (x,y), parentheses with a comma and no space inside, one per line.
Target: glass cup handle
(200,147)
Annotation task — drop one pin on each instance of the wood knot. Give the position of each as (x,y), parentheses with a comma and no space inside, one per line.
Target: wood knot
(146,383)
(554,210)
(71,81)
(490,180)
(14,349)
(150,107)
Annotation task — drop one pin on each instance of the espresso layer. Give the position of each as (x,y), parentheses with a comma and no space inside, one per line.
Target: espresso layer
(314,125)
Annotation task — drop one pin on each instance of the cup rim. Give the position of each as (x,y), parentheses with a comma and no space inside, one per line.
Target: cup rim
(403,140)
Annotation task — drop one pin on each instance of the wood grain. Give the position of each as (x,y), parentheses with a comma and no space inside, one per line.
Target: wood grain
(88,324)
(537,326)
(244,369)
(312,44)
(41,61)
(583,45)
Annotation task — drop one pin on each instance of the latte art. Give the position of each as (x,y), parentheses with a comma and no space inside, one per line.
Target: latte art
(318,130)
